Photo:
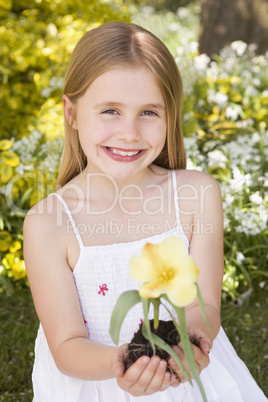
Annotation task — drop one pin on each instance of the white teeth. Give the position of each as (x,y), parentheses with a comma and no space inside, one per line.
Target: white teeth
(122,153)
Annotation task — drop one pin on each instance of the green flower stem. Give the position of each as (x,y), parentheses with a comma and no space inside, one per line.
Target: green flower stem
(146,329)
(202,306)
(156,304)
(187,349)
(185,342)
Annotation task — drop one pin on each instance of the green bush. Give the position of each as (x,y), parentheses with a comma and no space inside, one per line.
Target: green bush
(37,38)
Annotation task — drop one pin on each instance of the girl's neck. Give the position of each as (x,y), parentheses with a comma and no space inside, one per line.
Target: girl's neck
(105,186)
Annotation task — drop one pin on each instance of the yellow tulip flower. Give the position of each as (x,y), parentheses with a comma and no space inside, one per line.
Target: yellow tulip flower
(166,267)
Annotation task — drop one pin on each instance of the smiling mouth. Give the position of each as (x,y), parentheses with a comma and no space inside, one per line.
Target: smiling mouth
(120,152)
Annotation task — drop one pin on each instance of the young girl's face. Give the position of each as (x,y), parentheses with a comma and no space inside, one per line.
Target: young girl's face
(121,122)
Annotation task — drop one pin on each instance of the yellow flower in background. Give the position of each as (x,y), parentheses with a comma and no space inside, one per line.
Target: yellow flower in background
(166,267)
(15,246)
(18,269)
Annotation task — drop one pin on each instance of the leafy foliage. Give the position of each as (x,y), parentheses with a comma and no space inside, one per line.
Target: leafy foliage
(37,38)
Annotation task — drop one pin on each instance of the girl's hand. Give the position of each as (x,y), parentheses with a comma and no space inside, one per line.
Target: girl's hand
(200,353)
(146,376)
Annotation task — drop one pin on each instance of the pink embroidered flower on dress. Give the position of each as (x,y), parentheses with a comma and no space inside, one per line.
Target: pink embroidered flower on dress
(141,321)
(103,289)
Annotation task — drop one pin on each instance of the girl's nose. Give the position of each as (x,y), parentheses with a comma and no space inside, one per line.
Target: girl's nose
(129,131)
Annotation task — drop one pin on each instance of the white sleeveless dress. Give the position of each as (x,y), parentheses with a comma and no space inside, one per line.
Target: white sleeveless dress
(101,275)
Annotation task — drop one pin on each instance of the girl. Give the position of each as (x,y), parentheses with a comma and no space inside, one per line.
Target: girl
(123,183)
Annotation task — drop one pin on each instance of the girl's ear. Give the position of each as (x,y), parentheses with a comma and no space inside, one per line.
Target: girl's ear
(69,111)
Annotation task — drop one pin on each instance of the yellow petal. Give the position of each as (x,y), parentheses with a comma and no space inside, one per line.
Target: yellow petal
(151,252)
(151,290)
(181,292)
(188,269)
(141,269)
(172,250)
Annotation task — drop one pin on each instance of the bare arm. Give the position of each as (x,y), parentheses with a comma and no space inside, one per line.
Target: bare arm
(56,300)
(206,248)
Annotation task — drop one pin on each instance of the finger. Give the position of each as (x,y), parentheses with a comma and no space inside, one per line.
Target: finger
(201,359)
(205,344)
(134,372)
(174,366)
(160,380)
(175,380)
(118,365)
(201,338)
(168,380)
(146,383)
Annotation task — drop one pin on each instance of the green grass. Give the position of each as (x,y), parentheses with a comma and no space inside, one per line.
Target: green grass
(18,328)
(244,325)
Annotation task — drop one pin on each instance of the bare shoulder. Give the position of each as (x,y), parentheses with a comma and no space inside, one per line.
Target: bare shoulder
(45,225)
(190,182)
(195,177)
(43,214)
(198,192)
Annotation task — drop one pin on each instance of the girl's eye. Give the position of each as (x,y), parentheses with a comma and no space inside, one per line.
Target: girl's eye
(149,113)
(110,111)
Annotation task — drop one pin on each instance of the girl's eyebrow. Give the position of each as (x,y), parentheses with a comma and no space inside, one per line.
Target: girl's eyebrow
(110,104)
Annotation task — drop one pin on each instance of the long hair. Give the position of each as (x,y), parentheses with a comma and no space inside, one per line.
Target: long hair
(114,45)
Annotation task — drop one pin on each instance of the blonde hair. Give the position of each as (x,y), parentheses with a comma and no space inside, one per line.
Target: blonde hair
(113,45)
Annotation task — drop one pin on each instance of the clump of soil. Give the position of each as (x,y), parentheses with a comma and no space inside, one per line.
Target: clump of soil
(140,346)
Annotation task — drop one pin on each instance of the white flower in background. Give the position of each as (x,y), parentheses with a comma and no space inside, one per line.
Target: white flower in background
(251,91)
(193,46)
(245,123)
(183,12)
(236,173)
(256,198)
(226,223)
(240,182)
(45,92)
(250,222)
(219,98)
(217,158)
(174,27)
(255,138)
(190,142)
(192,166)
(201,62)
(240,257)
(26,146)
(231,113)
(239,47)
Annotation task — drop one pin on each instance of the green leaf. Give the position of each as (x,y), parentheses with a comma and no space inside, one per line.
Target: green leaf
(124,303)
(187,349)
(5,145)
(145,328)
(6,173)
(10,158)
(202,306)
(5,240)
(185,342)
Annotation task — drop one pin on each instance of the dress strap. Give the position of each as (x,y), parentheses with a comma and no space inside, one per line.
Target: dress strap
(68,212)
(176,198)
